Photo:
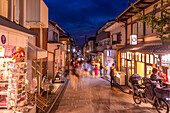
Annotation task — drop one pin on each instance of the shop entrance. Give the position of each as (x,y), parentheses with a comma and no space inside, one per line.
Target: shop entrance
(129,71)
(140,69)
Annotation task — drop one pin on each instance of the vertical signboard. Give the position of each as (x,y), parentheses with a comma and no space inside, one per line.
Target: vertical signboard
(133,40)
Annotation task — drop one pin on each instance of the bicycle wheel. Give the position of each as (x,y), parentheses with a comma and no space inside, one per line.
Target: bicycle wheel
(136,99)
(162,106)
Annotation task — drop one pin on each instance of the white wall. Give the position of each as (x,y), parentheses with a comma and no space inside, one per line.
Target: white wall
(44,14)
(36,13)
(33,11)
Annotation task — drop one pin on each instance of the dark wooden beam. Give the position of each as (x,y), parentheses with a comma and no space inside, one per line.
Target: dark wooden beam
(140,7)
(147,2)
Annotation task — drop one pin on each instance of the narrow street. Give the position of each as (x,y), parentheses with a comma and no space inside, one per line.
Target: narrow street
(96,96)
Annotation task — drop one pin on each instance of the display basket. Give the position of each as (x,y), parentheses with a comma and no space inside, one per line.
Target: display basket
(162,92)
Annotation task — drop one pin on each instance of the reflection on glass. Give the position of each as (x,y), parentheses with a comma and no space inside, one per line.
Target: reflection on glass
(151,59)
(148,71)
(147,58)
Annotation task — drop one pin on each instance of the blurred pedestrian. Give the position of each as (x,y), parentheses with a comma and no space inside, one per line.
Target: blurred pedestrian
(101,70)
(112,75)
(106,69)
(96,70)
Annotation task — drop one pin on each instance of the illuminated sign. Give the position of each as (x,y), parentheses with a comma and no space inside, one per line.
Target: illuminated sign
(133,40)
(165,60)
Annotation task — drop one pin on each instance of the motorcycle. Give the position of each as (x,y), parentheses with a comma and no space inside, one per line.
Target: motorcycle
(148,92)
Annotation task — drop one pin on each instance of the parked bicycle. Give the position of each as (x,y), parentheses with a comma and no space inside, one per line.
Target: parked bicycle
(150,92)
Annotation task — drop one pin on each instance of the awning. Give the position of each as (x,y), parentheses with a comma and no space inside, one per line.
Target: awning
(41,53)
(159,49)
(131,48)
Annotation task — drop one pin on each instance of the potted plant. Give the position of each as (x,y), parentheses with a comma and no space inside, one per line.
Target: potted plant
(51,87)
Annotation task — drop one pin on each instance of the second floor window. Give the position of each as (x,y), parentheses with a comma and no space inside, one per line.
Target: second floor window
(4,8)
(55,37)
(119,38)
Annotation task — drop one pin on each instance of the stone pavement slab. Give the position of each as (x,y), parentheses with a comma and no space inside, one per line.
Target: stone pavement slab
(94,95)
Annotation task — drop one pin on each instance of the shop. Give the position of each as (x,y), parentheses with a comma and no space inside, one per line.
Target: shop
(14,67)
(142,60)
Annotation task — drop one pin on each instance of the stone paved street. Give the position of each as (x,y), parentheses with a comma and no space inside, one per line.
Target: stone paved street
(96,96)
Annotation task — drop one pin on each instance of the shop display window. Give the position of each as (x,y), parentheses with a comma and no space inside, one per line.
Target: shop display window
(129,70)
(123,65)
(127,55)
(147,58)
(123,62)
(121,55)
(133,56)
(133,67)
(148,71)
(151,59)
(139,57)
(143,57)
(130,56)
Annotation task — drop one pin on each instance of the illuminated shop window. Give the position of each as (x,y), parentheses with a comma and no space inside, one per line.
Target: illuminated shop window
(130,56)
(137,55)
(143,57)
(133,56)
(133,67)
(149,71)
(127,55)
(140,57)
(151,59)
(156,59)
(123,62)
(147,58)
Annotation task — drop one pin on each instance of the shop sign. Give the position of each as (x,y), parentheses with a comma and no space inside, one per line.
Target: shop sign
(165,60)
(133,40)
(3,39)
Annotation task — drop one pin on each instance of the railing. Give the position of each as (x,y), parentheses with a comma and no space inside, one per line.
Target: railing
(34,68)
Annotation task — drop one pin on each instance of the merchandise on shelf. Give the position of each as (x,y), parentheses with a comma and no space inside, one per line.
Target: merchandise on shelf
(12,83)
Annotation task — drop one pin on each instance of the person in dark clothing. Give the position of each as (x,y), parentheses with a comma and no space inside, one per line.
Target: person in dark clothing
(101,70)
(112,75)
(154,76)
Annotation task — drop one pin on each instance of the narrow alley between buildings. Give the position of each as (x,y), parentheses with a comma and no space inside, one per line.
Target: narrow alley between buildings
(94,95)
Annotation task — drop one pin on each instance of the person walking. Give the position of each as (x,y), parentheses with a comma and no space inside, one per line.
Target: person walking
(101,70)
(96,70)
(106,69)
(112,75)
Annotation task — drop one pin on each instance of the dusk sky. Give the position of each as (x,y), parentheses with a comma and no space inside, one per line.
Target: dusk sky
(83,17)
